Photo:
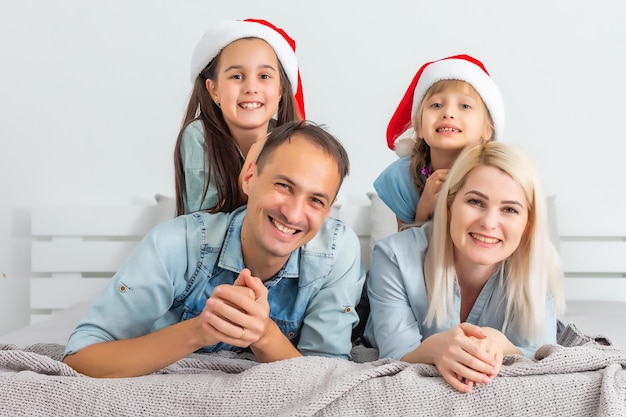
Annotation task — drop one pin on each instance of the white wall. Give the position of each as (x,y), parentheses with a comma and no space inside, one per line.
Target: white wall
(92,93)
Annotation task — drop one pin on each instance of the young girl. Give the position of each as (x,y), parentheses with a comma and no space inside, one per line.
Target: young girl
(481,281)
(451,103)
(244,72)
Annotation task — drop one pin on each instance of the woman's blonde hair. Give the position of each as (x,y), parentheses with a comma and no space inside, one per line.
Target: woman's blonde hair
(533,271)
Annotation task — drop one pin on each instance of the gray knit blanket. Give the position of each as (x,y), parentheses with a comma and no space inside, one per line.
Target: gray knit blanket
(580,376)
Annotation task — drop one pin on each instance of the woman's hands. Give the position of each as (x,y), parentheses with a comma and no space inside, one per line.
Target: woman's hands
(465,355)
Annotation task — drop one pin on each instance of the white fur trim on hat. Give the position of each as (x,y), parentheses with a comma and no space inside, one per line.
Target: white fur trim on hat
(224,33)
(461,69)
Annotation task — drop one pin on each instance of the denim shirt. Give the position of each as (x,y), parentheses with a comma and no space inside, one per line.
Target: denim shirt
(396,188)
(399,300)
(175,268)
(193,153)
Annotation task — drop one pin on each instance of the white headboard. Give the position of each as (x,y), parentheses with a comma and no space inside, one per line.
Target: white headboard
(592,243)
(75,250)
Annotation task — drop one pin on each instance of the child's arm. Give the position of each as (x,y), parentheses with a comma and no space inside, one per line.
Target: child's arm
(428,198)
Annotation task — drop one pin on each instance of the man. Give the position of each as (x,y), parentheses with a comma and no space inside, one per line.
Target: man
(277,276)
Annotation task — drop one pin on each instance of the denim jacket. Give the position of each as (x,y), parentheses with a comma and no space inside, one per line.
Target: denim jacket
(396,188)
(175,268)
(193,153)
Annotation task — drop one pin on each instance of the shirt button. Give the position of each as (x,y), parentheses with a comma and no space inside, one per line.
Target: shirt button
(347,309)
(291,334)
(122,288)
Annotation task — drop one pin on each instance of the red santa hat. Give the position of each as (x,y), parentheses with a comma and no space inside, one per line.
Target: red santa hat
(458,67)
(224,33)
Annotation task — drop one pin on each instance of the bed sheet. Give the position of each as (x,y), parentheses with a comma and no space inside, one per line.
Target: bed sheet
(55,329)
(599,318)
(596,318)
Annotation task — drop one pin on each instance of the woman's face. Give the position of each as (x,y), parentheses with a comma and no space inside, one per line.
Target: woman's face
(488,217)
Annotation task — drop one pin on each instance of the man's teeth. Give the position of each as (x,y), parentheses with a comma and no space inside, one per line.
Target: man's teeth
(282,228)
(484,239)
(251,105)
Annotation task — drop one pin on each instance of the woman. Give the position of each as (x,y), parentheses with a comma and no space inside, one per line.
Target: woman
(481,281)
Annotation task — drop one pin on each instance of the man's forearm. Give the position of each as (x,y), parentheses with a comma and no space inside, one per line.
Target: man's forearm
(138,356)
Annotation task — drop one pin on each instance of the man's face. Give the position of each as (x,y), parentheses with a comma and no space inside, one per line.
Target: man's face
(289,200)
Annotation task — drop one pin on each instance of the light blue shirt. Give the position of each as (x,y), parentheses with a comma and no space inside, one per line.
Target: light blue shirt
(175,268)
(195,165)
(396,188)
(399,300)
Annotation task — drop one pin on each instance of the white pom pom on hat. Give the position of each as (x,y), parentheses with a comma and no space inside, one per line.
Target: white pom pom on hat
(457,67)
(404,144)
(225,32)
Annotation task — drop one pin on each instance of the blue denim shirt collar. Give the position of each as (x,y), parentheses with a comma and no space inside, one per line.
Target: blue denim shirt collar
(231,257)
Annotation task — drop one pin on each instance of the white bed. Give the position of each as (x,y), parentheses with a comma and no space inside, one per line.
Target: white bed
(73,259)
(56,328)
